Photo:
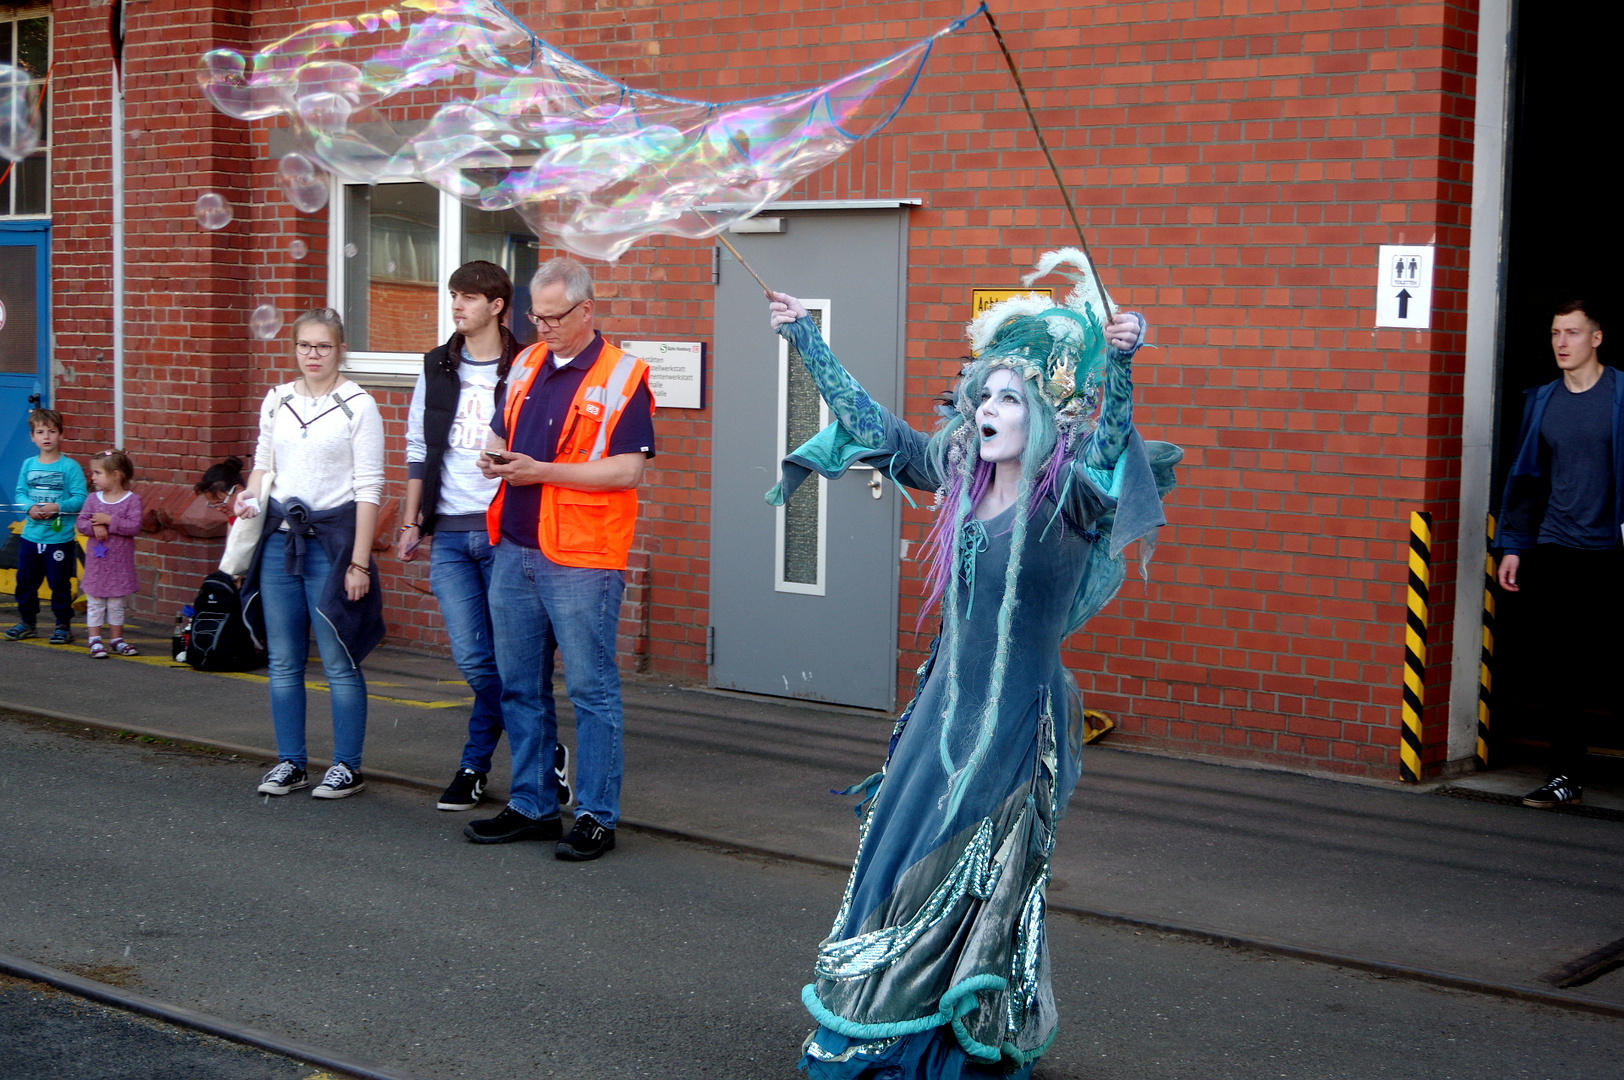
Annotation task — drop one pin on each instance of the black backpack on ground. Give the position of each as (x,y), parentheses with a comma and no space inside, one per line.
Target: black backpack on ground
(220,640)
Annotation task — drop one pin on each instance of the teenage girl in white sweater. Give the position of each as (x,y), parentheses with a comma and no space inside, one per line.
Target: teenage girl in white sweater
(323,438)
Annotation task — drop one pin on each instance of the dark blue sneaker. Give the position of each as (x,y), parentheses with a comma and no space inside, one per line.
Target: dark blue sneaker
(338,783)
(1558,791)
(464,792)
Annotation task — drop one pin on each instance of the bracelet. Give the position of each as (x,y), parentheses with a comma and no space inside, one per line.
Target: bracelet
(358,566)
(403,528)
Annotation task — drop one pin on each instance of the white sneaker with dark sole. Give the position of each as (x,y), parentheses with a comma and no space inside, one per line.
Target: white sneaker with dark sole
(338,783)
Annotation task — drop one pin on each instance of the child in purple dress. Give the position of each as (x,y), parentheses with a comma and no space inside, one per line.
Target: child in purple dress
(110,521)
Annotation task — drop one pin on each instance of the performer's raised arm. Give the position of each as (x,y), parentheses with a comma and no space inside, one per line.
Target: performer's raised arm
(1125,334)
(848,401)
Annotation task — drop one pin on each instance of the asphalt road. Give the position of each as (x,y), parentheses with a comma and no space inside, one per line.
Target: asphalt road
(50,1035)
(368,927)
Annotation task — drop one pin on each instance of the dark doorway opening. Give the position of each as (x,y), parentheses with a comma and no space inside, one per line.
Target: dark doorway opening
(1562,243)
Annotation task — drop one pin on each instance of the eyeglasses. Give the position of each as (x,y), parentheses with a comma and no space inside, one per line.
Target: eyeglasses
(552,322)
(305,348)
(219,503)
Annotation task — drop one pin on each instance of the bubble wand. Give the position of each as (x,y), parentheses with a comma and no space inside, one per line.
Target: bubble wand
(1043,144)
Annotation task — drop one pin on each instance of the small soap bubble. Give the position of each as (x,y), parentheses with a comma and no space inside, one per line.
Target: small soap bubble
(19,113)
(213,211)
(351,251)
(297,250)
(266,321)
(389,268)
(301,183)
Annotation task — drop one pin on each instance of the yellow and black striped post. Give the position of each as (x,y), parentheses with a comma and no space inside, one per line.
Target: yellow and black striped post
(1415,644)
(1485,662)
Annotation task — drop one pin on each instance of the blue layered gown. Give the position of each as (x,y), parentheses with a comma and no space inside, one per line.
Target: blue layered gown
(937,965)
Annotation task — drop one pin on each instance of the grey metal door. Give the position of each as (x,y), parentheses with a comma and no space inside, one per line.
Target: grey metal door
(804,597)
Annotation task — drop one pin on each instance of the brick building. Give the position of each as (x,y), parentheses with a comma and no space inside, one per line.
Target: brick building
(1237,164)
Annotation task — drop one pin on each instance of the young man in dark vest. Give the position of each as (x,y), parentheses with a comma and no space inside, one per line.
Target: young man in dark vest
(447,497)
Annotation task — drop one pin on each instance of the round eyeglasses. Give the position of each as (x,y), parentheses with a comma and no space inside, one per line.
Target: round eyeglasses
(305,348)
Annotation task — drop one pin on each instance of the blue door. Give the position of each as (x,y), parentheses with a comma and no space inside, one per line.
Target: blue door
(25,335)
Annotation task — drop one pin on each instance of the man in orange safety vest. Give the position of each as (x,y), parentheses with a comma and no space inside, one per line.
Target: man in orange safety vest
(573,427)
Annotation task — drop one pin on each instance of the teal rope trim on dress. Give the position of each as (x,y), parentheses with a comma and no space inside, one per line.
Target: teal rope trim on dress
(1023,1057)
(959,1001)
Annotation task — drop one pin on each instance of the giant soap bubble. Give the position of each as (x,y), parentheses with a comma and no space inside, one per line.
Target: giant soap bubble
(512,122)
(19,113)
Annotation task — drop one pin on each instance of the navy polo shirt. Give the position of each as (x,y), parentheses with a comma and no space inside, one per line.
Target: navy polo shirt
(541,421)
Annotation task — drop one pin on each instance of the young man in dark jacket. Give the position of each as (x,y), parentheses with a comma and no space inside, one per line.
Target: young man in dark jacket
(447,497)
(1559,535)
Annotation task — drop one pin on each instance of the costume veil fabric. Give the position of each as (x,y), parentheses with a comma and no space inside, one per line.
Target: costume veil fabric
(937,963)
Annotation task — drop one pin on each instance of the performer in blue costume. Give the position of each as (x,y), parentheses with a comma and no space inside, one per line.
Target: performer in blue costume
(937,965)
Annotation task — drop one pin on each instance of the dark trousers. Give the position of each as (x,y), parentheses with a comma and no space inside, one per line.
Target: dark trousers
(53,563)
(1574,595)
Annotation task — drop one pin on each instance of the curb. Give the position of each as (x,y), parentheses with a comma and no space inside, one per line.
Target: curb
(196,1021)
(1512,991)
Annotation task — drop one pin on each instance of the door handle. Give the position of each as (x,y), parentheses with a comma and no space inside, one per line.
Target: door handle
(876,486)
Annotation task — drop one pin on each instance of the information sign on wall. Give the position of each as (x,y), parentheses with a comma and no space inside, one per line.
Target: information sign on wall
(676,371)
(1404,287)
(982,299)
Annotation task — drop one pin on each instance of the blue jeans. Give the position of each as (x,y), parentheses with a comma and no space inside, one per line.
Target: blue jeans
(289,601)
(536,606)
(460,575)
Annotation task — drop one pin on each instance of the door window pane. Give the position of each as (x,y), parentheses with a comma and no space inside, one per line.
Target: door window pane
(803,419)
(19,291)
(502,237)
(391,263)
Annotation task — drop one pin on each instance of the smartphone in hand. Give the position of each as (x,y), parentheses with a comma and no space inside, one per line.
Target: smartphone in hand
(498,457)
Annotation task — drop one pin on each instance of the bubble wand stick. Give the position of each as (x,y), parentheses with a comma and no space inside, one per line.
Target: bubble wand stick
(752,273)
(1043,144)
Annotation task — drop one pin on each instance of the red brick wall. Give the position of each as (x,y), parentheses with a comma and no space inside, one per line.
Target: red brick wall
(1235,163)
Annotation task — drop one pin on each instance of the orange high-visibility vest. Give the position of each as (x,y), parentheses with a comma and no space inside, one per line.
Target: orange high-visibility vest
(579,528)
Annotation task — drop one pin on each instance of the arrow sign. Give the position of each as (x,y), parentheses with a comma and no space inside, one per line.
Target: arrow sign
(1404,286)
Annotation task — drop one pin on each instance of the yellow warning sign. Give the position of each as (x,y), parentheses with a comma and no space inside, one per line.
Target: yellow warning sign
(982,299)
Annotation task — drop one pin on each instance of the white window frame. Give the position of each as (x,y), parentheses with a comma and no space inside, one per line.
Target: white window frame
(372,362)
(46,12)
(817,588)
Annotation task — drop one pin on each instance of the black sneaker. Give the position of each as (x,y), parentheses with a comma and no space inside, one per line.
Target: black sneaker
(338,783)
(587,841)
(20,631)
(62,635)
(510,825)
(466,789)
(1558,791)
(284,778)
(561,772)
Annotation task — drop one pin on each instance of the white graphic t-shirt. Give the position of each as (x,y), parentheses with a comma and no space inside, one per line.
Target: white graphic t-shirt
(463,490)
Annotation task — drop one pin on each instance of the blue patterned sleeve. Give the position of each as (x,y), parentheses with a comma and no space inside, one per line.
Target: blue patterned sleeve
(1104,448)
(858,413)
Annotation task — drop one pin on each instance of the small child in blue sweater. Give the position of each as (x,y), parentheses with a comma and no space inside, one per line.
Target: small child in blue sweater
(52,486)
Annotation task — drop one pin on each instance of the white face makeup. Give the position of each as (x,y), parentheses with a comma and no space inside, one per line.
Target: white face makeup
(1001,417)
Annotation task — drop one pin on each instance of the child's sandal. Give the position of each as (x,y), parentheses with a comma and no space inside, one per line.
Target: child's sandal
(98,651)
(124,648)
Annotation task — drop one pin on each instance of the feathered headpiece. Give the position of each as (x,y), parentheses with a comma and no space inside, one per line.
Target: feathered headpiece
(1061,348)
